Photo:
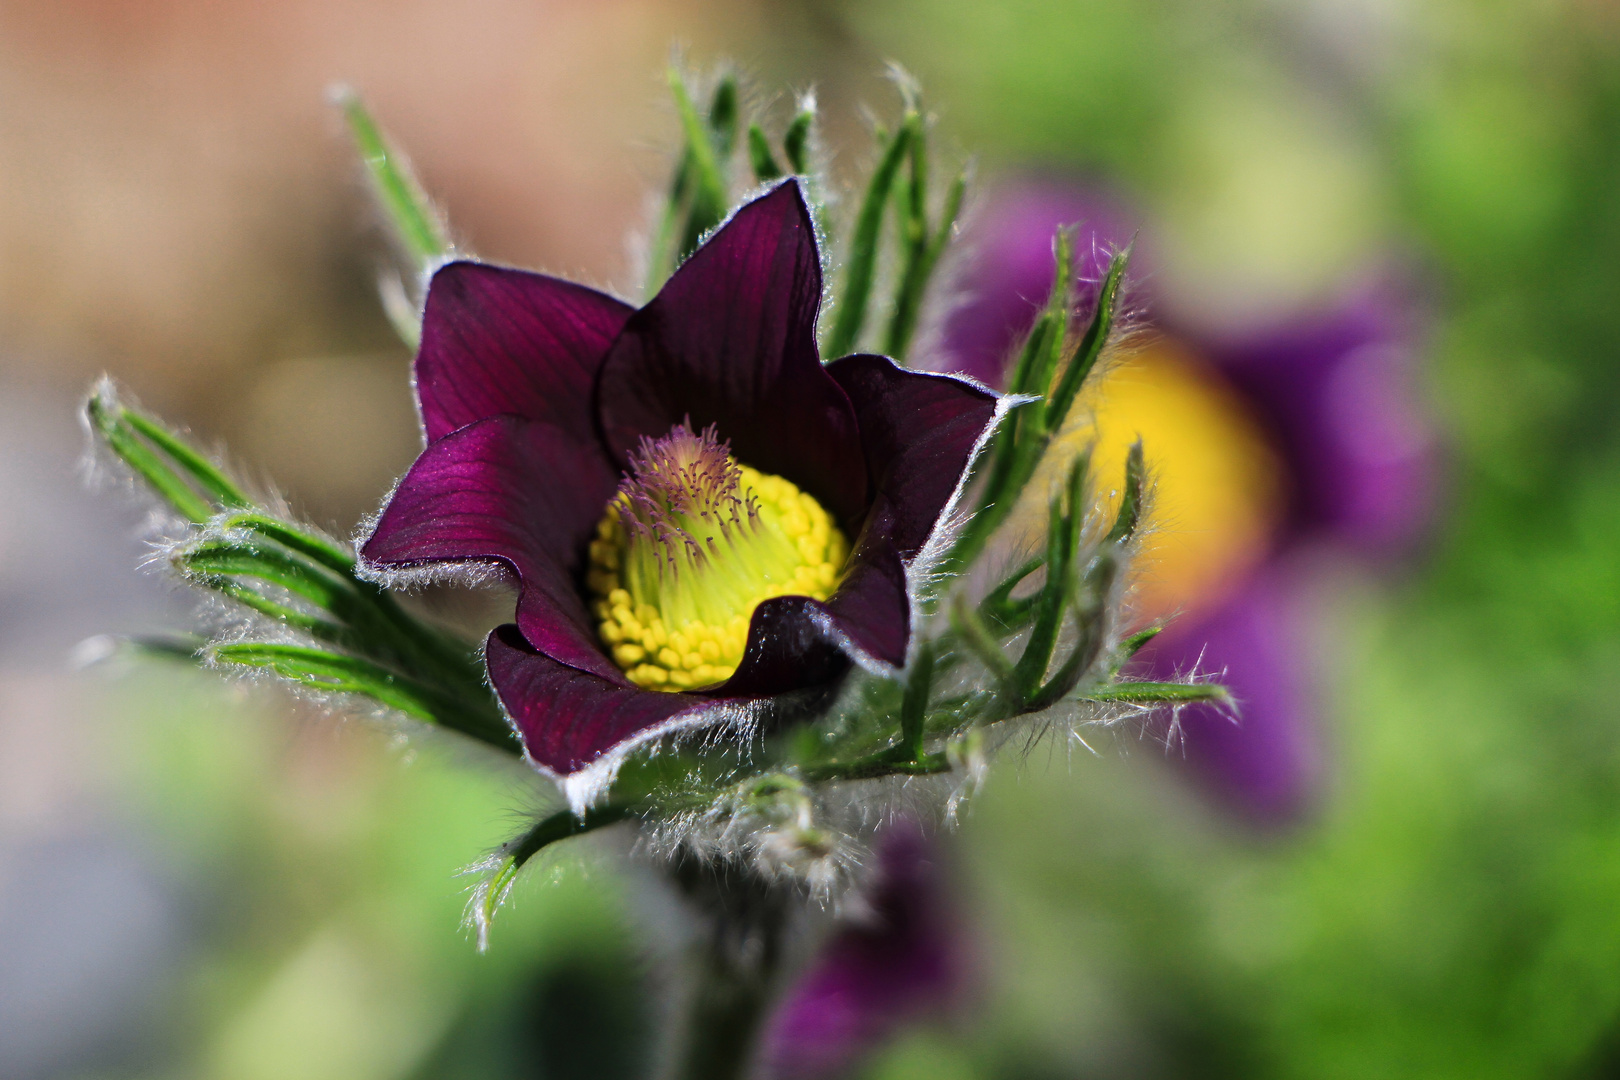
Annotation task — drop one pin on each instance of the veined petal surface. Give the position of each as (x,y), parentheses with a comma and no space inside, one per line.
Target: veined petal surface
(497,340)
(730,340)
(519,492)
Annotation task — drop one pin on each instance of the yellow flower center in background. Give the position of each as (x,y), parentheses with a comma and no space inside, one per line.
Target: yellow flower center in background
(1217,483)
(692,543)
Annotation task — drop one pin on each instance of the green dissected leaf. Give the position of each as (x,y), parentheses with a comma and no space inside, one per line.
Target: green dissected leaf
(323,551)
(1027,431)
(325,670)
(202,472)
(999,609)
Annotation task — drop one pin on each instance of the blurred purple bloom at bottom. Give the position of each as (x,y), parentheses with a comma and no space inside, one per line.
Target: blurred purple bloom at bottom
(899,958)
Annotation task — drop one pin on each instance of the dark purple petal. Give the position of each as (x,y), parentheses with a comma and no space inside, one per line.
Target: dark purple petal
(917,431)
(872,609)
(1010,272)
(1267,765)
(731,340)
(520,492)
(794,641)
(917,434)
(496,340)
(789,647)
(1336,389)
(900,962)
(569,718)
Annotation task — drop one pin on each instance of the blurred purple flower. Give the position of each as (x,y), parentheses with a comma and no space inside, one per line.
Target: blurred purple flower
(901,957)
(545,401)
(1329,390)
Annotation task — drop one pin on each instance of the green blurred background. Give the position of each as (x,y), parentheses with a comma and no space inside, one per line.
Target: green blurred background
(212,881)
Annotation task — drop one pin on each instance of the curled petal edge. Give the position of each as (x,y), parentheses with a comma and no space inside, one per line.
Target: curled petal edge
(587,784)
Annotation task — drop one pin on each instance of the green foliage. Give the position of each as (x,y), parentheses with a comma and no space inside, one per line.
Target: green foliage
(418,228)
(849,316)
(1029,428)
(356,638)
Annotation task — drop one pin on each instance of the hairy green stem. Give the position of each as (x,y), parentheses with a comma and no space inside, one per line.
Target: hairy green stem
(743,921)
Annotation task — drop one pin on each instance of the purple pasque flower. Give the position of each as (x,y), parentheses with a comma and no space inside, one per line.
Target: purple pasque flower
(900,957)
(698,514)
(1322,401)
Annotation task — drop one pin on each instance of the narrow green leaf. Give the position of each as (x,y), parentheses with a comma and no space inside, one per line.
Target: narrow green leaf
(332,672)
(417,226)
(1092,342)
(316,627)
(1063,680)
(998,606)
(315,547)
(883,763)
(183,647)
(1090,613)
(204,473)
(909,303)
(662,255)
(1038,376)
(708,196)
(914,238)
(965,621)
(760,157)
(228,558)
(863,248)
(1018,448)
(996,495)
(1158,693)
(370,621)
(110,420)
(914,707)
(516,853)
(323,670)
(1133,645)
(947,218)
(1130,502)
(1050,604)
(1036,344)
(561,826)
(723,119)
(796,141)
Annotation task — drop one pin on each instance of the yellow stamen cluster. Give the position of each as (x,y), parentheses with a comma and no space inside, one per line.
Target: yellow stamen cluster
(692,543)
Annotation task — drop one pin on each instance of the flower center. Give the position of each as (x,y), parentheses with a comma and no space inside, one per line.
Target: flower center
(690,545)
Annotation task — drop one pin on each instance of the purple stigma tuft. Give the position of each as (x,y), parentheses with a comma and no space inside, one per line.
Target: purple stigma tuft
(685,475)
